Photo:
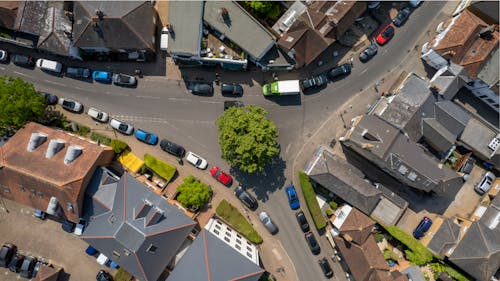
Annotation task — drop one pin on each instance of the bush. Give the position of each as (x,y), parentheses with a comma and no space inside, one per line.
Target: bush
(333,205)
(390,255)
(455,274)
(236,220)
(102,139)
(193,193)
(329,212)
(163,169)
(312,203)
(118,146)
(417,254)
(83,130)
(122,275)
(379,237)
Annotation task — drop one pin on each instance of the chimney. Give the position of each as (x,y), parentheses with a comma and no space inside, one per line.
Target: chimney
(73,152)
(99,14)
(36,140)
(54,147)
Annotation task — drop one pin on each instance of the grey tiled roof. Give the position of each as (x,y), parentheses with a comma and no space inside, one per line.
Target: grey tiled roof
(445,237)
(452,116)
(186,20)
(437,135)
(477,136)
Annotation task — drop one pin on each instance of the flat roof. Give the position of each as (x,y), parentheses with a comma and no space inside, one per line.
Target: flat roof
(186,20)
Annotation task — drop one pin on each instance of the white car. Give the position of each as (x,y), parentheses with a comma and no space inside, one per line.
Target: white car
(98,115)
(71,105)
(3,55)
(121,126)
(196,161)
(80,226)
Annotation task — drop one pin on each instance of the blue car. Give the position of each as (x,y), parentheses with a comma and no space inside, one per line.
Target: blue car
(422,228)
(146,137)
(293,200)
(102,76)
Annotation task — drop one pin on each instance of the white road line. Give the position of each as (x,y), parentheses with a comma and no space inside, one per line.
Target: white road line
(180,99)
(361,73)
(116,94)
(148,97)
(20,73)
(288,148)
(55,83)
(209,101)
(197,142)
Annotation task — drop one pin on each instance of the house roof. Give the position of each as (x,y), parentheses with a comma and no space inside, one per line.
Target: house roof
(125,24)
(479,54)
(186,20)
(490,72)
(463,28)
(48,273)
(100,192)
(8,13)
(491,217)
(30,16)
(451,116)
(240,27)
(142,232)
(357,225)
(214,260)
(445,238)
(477,136)
(437,135)
(414,273)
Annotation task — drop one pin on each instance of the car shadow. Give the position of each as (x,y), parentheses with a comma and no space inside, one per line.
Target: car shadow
(292,100)
(315,90)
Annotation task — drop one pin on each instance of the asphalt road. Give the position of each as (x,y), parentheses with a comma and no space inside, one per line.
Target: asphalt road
(168,109)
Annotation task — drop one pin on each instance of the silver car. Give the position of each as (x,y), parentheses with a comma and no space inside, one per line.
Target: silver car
(98,115)
(121,126)
(485,184)
(268,223)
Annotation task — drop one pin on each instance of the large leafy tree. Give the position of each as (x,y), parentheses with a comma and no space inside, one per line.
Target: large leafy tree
(193,193)
(19,103)
(247,138)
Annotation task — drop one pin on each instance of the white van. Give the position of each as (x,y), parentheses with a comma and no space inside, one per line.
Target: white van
(164,39)
(49,65)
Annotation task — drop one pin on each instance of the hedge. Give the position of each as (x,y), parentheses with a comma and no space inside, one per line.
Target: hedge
(455,274)
(235,219)
(163,169)
(102,139)
(417,254)
(122,275)
(83,130)
(118,146)
(312,203)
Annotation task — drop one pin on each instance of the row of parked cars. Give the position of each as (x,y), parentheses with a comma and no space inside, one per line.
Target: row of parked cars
(324,78)
(26,266)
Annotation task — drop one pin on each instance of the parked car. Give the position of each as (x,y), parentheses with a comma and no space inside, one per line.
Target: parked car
(301,219)
(196,161)
(121,126)
(230,103)
(268,223)
(485,183)
(314,82)
(71,105)
(385,34)
(50,99)
(16,262)
(202,89)
(22,60)
(3,55)
(77,72)
(124,80)
(103,276)
(49,65)
(368,53)
(422,227)
(341,70)
(102,76)
(146,137)
(91,251)
(293,200)
(325,267)
(231,89)
(7,252)
(38,264)
(80,226)
(245,198)
(313,244)
(172,148)
(402,17)
(27,267)
(414,3)
(373,4)
(39,214)
(221,176)
(68,226)
(98,115)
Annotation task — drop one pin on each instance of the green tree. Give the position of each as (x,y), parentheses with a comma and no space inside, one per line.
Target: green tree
(193,193)
(19,103)
(247,138)
(265,9)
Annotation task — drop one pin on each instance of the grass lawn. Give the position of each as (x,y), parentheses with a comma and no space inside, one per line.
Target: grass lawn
(237,221)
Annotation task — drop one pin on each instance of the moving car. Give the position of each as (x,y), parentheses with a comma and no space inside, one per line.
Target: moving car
(102,76)
(485,183)
(221,176)
(68,226)
(16,262)
(7,252)
(121,126)
(368,53)
(385,34)
(50,99)
(172,148)
(268,223)
(22,60)
(196,161)
(402,17)
(231,89)
(124,80)
(245,198)
(325,267)
(314,82)
(202,89)
(3,55)
(301,219)
(49,65)
(146,137)
(80,226)
(98,115)
(77,72)
(103,276)
(230,103)
(313,244)
(422,227)
(341,70)
(71,105)
(293,200)
(27,267)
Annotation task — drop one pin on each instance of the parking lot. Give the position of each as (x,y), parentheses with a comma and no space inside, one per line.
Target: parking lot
(44,239)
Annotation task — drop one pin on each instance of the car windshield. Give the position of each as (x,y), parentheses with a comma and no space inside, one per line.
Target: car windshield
(99,115)
(69,103)
(198,163)
(388,31)
(148,137)
(123,127)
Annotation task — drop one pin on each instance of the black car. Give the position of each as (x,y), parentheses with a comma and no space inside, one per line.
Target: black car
(301,219)
(313,244)
(230,103)
(231,89)
(314,82)
(27,267)
(78,72)
(7,253)
(68,226)
(368,53)
(402,17)
(245,198)
(15,263)
(341,70)
(203,89)
(172,148)
(325,267)
(50,99)
(103,276)
(24,61)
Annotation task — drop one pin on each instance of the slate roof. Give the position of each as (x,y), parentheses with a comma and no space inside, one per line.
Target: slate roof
(186,20)
(446,237)
(477,136)
(8,13)
(214,260)
(414,273)
(437,135)
(451,116)
(142,232)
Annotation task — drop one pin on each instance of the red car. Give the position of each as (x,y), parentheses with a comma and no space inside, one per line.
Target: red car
(385,35)
(221,176)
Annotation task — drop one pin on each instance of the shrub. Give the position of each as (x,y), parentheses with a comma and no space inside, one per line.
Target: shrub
(193,193)
(83,130)
(236,220)
(333,205)
(329,212)
(455,274)
(102,139)
(122,275)
(118,146)
(163,169)
(390,255)
(379,237)
(312,203)
(417,254)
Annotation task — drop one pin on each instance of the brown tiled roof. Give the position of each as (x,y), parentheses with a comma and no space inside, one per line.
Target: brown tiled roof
(357,225)
(465,26)
(478,53)
(47,273)
(8,13)
(340,10)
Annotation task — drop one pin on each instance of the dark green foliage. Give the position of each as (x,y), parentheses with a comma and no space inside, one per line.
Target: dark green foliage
(102,139)
(193,193)
(118,146)
(312,203)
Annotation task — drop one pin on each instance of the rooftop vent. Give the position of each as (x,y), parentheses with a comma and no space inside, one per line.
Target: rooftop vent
(36,140)
(494,143)
(54,147)
(487,32)
(73,152)
(155,217)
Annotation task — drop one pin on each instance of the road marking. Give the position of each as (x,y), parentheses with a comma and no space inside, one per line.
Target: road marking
(180,99)
(116,94)
(209,101)
(55,83)
(20,73)
(361,73)
(148,97)
(197,142)
(288,148)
